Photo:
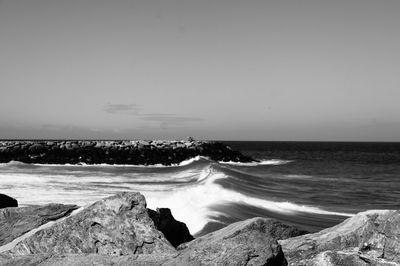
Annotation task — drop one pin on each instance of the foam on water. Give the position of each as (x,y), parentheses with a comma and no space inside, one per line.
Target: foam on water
(183,163)
(190,192)
(192,204)
(262,162)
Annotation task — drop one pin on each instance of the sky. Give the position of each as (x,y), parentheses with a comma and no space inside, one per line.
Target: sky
(310,70)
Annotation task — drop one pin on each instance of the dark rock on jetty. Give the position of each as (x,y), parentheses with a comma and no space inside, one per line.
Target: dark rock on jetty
(7,201)
(368,238)
(176,232)
(115,152)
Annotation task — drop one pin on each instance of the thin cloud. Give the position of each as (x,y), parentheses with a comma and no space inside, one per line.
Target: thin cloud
(165,119)
(171,119)
(131,109)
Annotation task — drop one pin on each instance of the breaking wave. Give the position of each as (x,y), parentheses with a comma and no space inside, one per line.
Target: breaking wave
(262,162)
(190,192)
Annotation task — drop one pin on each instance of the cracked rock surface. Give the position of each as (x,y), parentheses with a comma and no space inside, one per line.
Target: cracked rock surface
(15,222)
(249,242)
(368,238)
(118,225)
(120,230)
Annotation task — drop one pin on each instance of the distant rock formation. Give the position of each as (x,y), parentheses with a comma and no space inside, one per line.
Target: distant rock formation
(120,230)
(115,152)
(7,201)
(368,238)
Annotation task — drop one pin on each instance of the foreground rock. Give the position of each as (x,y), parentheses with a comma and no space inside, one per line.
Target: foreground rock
(115,152)
(369,238)
(87,259)
(7,201)
(118,225)
(250,242)
(176,232)
(120,230)
(15,222)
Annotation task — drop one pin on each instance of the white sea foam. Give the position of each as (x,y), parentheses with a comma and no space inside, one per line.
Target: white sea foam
(192,204)
(263,162)
(80,164)
(191,198)
(12,163)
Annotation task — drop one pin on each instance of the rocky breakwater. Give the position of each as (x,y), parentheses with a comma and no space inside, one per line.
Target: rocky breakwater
(138,152)
(120,230)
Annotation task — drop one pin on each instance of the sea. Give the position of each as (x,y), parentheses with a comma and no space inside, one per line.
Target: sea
(311,185)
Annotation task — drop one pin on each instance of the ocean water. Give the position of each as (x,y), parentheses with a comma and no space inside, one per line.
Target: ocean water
(312,185)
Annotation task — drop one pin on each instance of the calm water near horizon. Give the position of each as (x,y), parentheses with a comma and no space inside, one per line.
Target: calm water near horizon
(312,185)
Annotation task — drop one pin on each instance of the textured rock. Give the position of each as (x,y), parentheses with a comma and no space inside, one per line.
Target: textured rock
(369,237)
(343,258)
(7,201)
(115,152)
(175,231)
(118,225)
(251,242)
(15,222)
(87,260)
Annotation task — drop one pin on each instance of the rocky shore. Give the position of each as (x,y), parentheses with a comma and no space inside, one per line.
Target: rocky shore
(138,152)
(121,230)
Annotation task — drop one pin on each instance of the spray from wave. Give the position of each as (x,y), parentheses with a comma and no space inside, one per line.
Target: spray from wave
(262,162)
(183,163)
(193,204)
(190,189)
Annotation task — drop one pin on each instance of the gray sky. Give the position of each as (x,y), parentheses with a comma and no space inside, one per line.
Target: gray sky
(211,69)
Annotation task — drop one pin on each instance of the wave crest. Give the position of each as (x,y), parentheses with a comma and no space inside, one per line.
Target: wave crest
(263,162)
(81,164)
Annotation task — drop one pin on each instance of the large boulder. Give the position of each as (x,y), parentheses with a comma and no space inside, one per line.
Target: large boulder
(118,225)
(36,148)
(175,231)
(371,237)
(250,242)
(7,201)
(120,230)
(15,222)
